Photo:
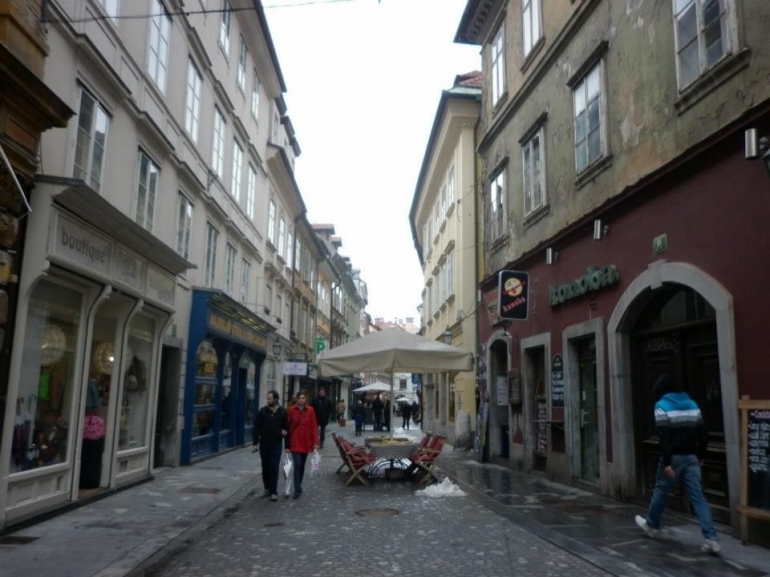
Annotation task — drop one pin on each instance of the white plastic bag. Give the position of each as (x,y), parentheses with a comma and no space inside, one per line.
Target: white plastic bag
(287,491)
(288,465)
(315,463)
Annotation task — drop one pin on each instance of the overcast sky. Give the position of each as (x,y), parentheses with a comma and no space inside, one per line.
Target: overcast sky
(363,82)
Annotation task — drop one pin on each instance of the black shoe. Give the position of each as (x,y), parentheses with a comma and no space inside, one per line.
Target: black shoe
(296,495)
(273,497)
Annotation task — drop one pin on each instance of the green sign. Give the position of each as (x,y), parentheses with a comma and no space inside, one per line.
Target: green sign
(593,280)
(320,345)
(660,244)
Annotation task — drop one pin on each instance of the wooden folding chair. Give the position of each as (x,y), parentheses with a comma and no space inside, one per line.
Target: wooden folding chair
(424,463)
(357,460)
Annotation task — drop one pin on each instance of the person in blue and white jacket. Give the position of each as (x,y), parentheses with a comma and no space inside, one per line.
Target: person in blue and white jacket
(683,443)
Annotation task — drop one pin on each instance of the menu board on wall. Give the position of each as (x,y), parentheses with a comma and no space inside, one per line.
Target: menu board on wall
(557,383)
(758,462)
(542,426)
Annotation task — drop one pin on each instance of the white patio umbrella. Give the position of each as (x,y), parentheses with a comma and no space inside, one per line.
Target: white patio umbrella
(391,351)
(372,387)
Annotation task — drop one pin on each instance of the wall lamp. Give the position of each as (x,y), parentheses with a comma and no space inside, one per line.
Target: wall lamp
(446,336)
(277,349)
(600,229)
(550,256)
(756,146)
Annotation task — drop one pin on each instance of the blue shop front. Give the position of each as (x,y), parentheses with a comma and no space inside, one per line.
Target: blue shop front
(226,349)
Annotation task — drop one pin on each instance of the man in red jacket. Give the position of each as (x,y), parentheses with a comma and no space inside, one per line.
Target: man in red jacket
(303,438)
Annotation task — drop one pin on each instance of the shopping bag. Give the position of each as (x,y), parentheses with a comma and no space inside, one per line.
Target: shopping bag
(288,465)
(287,491)
(315,462)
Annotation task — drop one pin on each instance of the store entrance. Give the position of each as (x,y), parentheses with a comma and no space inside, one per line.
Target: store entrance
(676,334)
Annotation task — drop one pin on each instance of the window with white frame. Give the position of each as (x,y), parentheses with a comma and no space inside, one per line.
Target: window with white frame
(702,36)
(271,222)
(587,96)
(276,126)
(279,307)
(287,312)
(242,65)
(269,298)
(184,227)
(147,189)
(251,192)
(530,24)
(281,237)
(497,55)
(160,32)
(91,141)
(112,8)
(289,249)
(450,274)
(534,176)
(298,255)
(306,332)
(450,188)
(193,101)
(230,257)
(270,373)
(437,215)
(210,272)
(245,280)
(235,186)
(218,145)
(443,201)
(497,204)
(255,96)
(224,27)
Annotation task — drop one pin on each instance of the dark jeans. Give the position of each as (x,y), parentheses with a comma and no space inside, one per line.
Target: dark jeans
(406,422)
(271,464)
(378,421)
(322,434)
(299,470)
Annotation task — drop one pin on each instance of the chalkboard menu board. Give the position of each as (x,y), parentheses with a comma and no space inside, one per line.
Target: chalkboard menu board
(557,383)
(758,462)
(542,426)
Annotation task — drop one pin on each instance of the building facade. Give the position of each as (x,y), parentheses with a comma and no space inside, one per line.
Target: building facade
(443,222)
(614,174)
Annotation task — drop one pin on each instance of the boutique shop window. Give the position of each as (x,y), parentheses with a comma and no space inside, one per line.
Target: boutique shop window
(206,363)
(137,368)
(41,432)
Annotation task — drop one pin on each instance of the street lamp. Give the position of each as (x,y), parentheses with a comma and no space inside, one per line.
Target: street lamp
(277,349)
(756,146)
(447,336)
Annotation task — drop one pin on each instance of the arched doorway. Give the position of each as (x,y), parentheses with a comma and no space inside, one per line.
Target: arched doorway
(630,309)
(676,333)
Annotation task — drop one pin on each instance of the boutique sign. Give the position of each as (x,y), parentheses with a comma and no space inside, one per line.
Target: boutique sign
(513,295)
(595,279)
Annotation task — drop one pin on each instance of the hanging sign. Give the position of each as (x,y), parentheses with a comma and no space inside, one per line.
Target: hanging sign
(557,383)
(513,295)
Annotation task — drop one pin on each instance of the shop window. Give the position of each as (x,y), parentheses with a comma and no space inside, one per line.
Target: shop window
(47,382)
(137,369)
(227,387)
(248,365)
(206,371)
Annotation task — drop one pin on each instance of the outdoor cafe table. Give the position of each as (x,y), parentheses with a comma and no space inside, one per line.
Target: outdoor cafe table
(389,456)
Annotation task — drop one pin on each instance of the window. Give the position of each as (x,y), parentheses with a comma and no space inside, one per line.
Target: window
(497,194)
(230,269)
(245,280)
(212,235)
(91,141)
(251,192)
(149,173)
(111,7)
(276,126)
(437,214)
(530,24)
(701,35)
(271,222)
(242,65)
(450,188)
(224,27)
(443,201)
(450,274)
(269,297)
(184,227)
(498,66)
(298,255)
(218,147)
(588,121)
(534,189)
(235,187)
(255,96)
(289,249)
(279,306)
(160,30)
(281,237)
(193,101)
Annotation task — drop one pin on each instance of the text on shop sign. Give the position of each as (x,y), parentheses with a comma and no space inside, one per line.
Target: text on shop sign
(594,280)
(235,330)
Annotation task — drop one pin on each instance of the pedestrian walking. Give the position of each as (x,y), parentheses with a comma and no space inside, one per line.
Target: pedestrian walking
(303,438)
(359,414)
(406,414)
(388,413)
(341,412)
(683,443)
(377,408)
(415,412)
(270,429)
(322,405)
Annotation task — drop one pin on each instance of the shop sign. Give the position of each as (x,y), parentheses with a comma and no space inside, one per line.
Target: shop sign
(129,269)
(81,247)
(513,295)
(557,383)
(593,280)
(235,330)
(502,390)
(160,286)
(320,345)
(490,300)
(295,369)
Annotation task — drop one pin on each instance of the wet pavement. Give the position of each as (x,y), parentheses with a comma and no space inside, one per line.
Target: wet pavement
(208,519)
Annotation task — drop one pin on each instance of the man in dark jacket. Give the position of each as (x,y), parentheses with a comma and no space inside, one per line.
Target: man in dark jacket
(322,405)
(270,427)
(683,443)
(377,407)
